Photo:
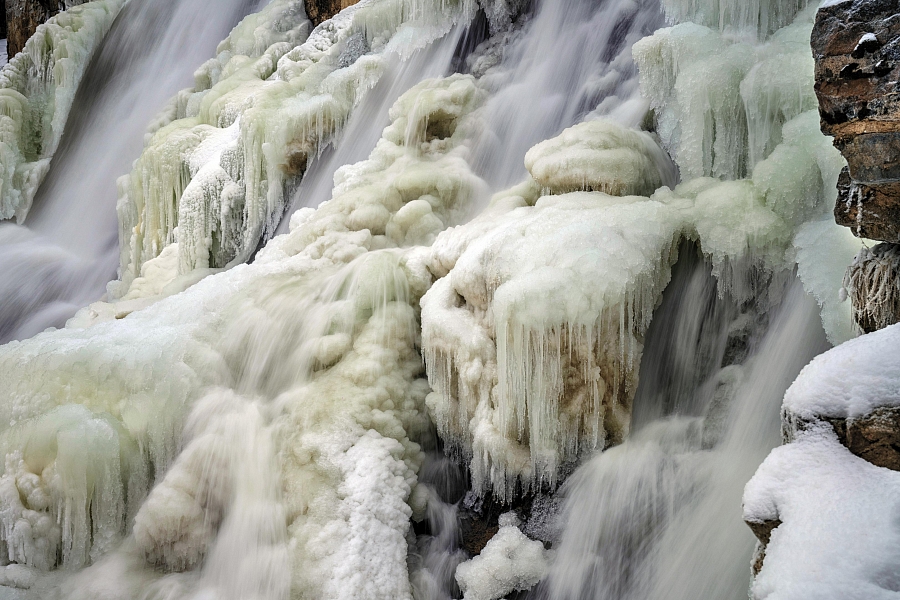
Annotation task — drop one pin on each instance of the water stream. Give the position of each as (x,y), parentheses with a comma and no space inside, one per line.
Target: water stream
(61,258)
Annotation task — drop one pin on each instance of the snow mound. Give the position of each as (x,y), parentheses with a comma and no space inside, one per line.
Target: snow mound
(850,380)
(834,541)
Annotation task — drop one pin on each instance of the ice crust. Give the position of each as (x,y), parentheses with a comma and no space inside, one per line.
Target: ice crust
(509,562)
(37,88)
(835,540)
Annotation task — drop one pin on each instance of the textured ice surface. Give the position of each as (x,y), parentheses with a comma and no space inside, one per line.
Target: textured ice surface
(838,537)
(37,88)
(509,562)
(222,170)
(308,355)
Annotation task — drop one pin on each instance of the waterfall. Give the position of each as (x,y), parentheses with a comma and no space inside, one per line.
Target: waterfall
(64,254)
(298,326)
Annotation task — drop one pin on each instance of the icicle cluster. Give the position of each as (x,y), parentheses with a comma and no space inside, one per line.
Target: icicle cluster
(720,103)
(299,373)
(756,16)
(37,89)
(222,171)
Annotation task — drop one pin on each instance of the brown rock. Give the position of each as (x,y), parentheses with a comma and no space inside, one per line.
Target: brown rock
(763,532)
(856,75)
(874,437)
(322,10)
(870,210)
(24,16)
(856,45)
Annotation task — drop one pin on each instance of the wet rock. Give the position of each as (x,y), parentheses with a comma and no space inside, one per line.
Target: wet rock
(874,437)
(856,45)
(322,10)
(763,532)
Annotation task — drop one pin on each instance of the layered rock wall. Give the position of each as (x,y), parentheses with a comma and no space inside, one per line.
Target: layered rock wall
(856,45)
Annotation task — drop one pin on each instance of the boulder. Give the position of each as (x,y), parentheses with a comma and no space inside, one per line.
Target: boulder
(322,10)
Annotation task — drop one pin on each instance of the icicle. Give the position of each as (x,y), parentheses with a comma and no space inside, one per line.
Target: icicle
(37,89)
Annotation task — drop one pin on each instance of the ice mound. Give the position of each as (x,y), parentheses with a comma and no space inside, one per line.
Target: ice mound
(533,339)
(509,562)
(37,89)
(599,156)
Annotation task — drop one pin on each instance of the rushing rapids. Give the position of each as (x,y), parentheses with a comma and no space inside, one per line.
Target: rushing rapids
(547,265)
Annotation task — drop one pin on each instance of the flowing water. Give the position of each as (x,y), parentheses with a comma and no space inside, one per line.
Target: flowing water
(66,251)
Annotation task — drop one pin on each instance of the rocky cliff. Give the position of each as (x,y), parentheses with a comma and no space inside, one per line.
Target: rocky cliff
(856,46)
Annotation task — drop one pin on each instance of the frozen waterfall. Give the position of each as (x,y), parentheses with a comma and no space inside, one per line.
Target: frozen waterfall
(440,299)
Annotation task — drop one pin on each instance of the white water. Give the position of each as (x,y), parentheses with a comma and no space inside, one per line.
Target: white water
(66,252)
(572,58)
(659,516)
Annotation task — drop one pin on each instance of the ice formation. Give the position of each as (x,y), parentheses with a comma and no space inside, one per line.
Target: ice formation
(37,89)
(291,391)
(533,333)
(221,361)
(720,102)
(509,562)
(223,170)
(834,540)
(599,156)
(872,283)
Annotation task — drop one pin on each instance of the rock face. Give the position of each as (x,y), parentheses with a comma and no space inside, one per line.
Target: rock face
(322,10)
(874,437)
(23,17)
(856,45)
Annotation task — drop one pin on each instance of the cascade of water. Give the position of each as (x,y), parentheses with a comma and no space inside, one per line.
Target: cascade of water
(658,516)
(66,252)
(573,57)
(363,129)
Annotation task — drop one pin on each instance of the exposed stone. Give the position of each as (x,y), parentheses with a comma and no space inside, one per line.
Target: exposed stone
(322,10)
(24,16)
(874,437)
(763,532)
(856,45)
